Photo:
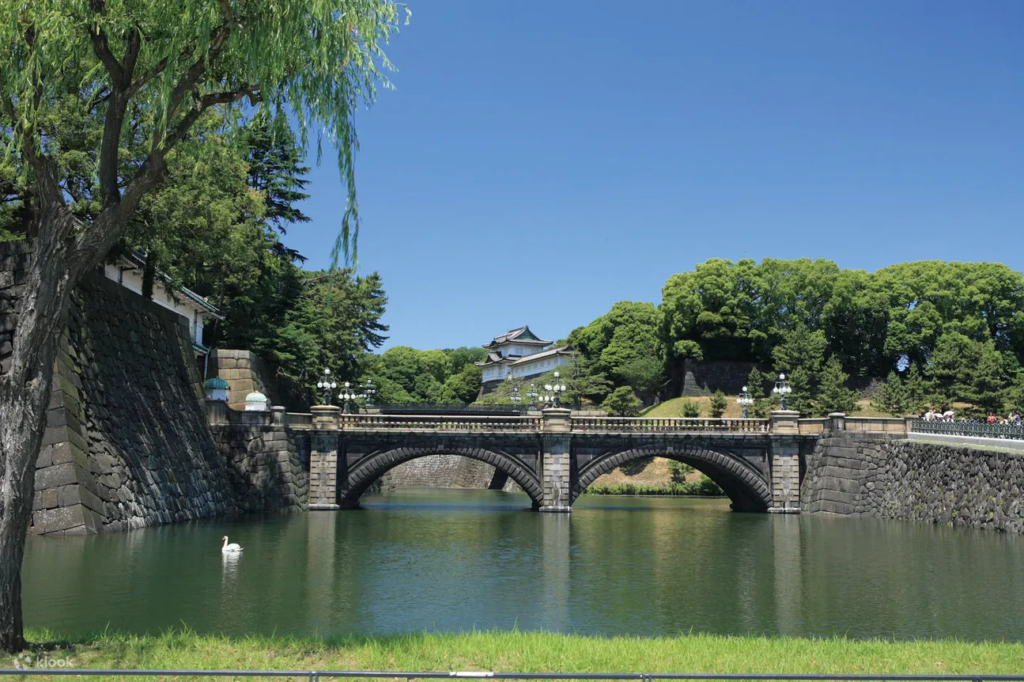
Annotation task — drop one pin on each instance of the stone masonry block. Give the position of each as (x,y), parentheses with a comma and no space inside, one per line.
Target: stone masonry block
(56,476)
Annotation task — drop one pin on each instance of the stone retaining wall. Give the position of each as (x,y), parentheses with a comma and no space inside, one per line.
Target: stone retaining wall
(126,443)
(890,477)
(267,466)
(246,372)
(440,471)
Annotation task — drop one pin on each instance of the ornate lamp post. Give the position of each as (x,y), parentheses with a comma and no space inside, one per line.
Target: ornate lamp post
(531,393)
(327,385)
(745,401)
(515,397)
(347,397)
(782,389)
(557,389)
(369,390)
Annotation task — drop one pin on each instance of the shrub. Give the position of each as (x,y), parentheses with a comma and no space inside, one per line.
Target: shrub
(718,404)
(689,408)
(679,471)
(622,402)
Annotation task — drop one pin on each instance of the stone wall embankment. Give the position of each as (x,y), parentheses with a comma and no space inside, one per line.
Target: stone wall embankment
(267,466)
(439,471)
(126,443)
(246,372)
(890,477)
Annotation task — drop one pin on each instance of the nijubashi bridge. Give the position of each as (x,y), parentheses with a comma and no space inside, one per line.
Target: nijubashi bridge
(554,455)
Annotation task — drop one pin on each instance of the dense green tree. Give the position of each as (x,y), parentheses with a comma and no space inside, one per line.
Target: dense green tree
(832,395)
(462,356)
(463,387)
(759,385)
(800,356)
(893,396)
(645,374)
(584,384)
(276,170)
(626,333)
(622,402)
(333,321)
(430,376)
(139,70)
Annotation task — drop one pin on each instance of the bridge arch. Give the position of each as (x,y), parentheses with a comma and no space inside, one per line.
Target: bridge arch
(373,466)
(746,487)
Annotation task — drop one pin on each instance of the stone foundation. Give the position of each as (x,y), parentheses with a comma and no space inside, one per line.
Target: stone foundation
(889,477)
(126,443)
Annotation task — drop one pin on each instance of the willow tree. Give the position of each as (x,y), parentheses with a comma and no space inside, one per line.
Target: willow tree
(153,69)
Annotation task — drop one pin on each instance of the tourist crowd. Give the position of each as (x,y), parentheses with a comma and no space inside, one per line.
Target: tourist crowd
(932,415)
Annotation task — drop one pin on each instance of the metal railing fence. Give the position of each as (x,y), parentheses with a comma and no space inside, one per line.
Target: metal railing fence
(317,675)
(968,428)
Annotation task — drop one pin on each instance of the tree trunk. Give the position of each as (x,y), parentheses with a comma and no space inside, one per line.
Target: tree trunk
(42,291)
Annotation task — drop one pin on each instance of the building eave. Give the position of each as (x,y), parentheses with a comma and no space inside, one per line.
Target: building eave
(137,261)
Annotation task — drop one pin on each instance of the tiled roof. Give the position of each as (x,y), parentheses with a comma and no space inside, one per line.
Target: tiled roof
(138,260)
(528,359)
(521,335)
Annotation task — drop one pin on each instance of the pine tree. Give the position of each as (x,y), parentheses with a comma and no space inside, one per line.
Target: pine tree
(275,168)
(894,397)
(833,396)
(763,400)
(718,404)
(917,390)
(622,402)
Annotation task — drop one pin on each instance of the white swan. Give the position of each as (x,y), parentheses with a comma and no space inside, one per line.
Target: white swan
(230,548)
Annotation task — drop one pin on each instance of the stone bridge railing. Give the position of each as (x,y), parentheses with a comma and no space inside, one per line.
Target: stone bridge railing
(331,418)
(553,455)
(527,423)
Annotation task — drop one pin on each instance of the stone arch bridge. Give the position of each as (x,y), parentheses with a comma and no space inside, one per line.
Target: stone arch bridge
(554,456)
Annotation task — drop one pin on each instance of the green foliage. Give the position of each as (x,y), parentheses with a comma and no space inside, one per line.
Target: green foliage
(275,168)
(718,404)
(893,397)
(689,408)
(705,487)
(621,348)
(679,471)
(583,382)
(643,373)
(171,63)
(795,313)
(917,389)
(833,396)
(407,375)
(758,384)
(622,402)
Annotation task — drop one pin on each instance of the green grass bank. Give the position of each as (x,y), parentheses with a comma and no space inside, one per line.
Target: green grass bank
(535,652)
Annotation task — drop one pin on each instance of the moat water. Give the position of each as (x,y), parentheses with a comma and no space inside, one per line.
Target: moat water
(459,560)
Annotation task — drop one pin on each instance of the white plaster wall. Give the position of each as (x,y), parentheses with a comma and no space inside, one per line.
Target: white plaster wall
(132,280)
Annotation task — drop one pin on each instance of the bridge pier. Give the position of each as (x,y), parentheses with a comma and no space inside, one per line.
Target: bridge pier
(556,460)
(324,441)
(785,462)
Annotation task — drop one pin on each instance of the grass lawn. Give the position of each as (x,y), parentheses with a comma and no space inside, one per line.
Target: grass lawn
(537,652)
(674,408)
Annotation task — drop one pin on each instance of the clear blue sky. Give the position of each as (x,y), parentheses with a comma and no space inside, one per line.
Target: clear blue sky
(539,161)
